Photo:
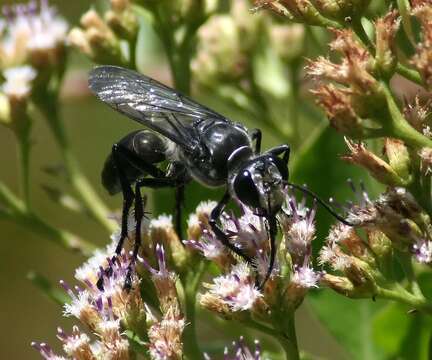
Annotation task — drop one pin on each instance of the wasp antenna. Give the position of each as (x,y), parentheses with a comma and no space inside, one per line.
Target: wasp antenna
(326,206)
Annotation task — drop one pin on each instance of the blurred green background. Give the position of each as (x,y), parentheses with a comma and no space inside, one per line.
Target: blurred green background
(25,313)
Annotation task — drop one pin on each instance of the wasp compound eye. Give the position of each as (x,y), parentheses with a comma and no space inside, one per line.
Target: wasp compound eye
(246,190)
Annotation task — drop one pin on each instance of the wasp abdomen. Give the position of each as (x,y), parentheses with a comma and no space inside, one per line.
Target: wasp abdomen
(141,146)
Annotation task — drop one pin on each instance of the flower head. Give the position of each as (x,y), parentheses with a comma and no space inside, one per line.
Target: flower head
(34,33)
(77,344)
(46,351)
(386,28)
(235,291)
(422,60)
(162,232)
(362,211)
(302,280)
(305,277)
(18,80)
(211,248)
(94,305)
(425,155)
(246,232)
(418,112)
(166,337)
(225,43)
(337,103)
(199,220)
(298,228)
(423,251)
(376,166)
(240,351)
(355,67)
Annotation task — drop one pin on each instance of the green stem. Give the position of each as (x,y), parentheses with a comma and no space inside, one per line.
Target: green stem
(23,135)
(83,188)
(287,334)
(287,339)
(295,100)
(410,74)
(284,332)
(191,284)
(9,200)
(398,127)
(61,237)
(265,329)
(132,53)
(405,260)
(178,59)
(33,223)
(401,295)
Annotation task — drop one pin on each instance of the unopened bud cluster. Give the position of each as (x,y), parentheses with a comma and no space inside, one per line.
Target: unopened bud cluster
(394,223)
(353,94)
(422,10)
(396,171)
(320,13)
(225,45)
(100,37)
(231,44)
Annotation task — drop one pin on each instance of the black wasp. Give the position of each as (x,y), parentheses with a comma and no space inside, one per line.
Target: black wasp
(198,144)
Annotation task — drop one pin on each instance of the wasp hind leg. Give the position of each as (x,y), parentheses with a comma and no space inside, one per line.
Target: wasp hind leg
(153,183)
(123,157)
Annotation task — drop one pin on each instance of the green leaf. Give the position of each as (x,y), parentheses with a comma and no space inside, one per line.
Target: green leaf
(425,281)
(317,164)
(402,335)
(390,326)
(349,321)
(416,344)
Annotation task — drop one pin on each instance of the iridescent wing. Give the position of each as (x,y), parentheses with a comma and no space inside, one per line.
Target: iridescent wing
(150,103)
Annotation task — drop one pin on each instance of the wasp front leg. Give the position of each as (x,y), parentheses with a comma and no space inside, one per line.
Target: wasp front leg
(283,150)
(220,235)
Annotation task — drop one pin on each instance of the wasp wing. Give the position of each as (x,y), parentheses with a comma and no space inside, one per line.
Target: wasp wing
(150,103)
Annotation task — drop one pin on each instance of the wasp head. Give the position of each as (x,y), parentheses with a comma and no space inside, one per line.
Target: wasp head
(260,182)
